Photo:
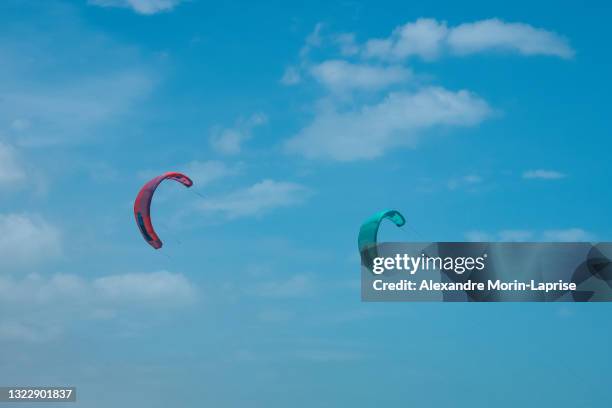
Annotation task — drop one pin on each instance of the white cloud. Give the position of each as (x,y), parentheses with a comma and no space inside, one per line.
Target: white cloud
(425,38)
(313,40)
(37,308)
(559,235)
(341,76)
(11,169)
(257,199)
(543,174)
(568,235)
(26,240)
(398,120)
(28,332)
(465,181)
(57,90)
(501,236)
(478,236)
(495,34)
(204,173)
(157,287)
(429,39)
(140,6)
(160,288)
(346,129)
(230,140)
(348,45)
(20,124)
(515,235)
(74,110)
(291,76)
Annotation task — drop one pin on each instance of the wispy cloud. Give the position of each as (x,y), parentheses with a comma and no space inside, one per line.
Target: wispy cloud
(342,76)
(291,76)
(313,40)
(258,199)
(230,140)
(495,34)
(206,172)
(429,39)
(543,174)
(158,287)
(49,304)
(347,43)
(398,120)
(568,235)
(203,174)
(469,181)
(357,127)
(140,6)
(515,235)
(56,90)
(73,112)
(478,236)
(11,169)
(31,332)
(26,240)
(424,38)
(557,235)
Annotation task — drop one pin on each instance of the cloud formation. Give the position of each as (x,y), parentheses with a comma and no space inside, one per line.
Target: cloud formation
(424,38)
(11,169)
(495,34)
(342,76)
(398,120)
(556,235)
(291,76)
(147,7)
(367,129)
(230,140)
(543,174)
(257,199)
(57,90)
(467,181)
(76,109)
(568,235)
(429,39)
(37,308)
(205,172)
(27,240)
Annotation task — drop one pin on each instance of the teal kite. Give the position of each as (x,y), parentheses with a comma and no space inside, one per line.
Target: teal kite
(368,233)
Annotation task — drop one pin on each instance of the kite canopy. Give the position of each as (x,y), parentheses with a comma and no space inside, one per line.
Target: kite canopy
(142,205)
(368,233)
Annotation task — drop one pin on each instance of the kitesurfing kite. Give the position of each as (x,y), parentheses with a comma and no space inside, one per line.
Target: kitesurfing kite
(368,233)
(142,205)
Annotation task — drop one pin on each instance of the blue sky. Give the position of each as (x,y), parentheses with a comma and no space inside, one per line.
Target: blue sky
(296,122)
